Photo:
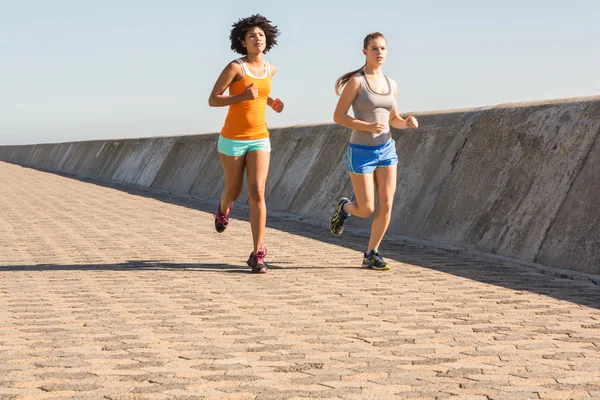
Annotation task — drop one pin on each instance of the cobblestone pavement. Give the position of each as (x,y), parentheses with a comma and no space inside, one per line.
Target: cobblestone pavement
(109,293)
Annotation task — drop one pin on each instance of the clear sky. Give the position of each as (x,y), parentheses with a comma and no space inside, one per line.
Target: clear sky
(81,70)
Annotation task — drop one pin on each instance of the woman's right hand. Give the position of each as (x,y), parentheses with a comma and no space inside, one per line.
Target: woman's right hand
(250,93)
(376,127)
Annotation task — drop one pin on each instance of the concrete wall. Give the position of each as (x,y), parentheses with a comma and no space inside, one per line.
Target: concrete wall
(518,180)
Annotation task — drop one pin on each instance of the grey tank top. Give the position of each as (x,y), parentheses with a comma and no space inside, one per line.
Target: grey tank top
(370,106)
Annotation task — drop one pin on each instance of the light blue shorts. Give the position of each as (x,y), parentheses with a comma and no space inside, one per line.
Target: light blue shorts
(236,148)
(365,159)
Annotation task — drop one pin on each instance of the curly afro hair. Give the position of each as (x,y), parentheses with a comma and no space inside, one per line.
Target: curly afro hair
(240,28)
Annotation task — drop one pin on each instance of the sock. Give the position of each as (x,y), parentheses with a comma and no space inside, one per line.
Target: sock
(344,211)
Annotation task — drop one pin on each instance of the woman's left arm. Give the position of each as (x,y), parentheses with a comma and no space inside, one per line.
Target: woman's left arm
(396,120)
(275,104)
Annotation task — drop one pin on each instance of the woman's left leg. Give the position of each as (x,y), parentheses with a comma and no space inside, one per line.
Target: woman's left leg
(385,181)
(257,169)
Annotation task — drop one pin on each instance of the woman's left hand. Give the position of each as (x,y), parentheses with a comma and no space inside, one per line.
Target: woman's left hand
(412,122)
(277,105)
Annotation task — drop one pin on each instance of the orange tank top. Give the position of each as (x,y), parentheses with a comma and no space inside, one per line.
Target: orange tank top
(248,120)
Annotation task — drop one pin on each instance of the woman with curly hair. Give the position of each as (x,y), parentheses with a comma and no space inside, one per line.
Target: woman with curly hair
(244,140)
(371,158)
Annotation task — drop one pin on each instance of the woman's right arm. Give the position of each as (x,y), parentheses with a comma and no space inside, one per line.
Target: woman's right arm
(217,99)
(340,116)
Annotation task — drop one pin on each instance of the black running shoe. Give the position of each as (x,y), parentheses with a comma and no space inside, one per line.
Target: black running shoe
(373,260)
(336,223)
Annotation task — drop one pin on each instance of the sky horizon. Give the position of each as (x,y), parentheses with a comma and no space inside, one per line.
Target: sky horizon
(75,71)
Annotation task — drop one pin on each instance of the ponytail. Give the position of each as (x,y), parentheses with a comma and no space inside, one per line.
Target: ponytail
(342,80)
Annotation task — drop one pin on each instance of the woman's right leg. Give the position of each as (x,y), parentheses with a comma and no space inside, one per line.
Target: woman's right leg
(233,171)
(363,206)
(361,161)
(364,192)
